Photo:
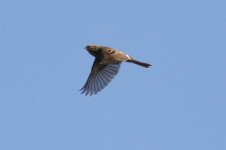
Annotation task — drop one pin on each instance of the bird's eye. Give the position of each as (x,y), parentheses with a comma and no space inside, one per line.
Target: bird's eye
(90,46)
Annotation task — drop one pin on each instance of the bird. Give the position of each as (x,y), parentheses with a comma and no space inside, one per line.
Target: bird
(105,66)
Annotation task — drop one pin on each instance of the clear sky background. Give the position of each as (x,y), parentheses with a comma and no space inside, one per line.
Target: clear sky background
(178,104)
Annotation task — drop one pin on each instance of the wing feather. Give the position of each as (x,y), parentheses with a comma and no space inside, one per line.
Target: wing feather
(99,77)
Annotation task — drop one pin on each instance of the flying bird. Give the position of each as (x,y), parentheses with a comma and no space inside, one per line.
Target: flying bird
(105,66)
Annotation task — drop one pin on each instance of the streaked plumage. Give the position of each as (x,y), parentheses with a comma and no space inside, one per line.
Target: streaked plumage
(106,65)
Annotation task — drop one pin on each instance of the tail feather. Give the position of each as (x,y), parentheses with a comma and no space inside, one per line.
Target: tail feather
(146,65)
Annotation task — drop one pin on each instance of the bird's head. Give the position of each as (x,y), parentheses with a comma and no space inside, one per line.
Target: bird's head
(93,49)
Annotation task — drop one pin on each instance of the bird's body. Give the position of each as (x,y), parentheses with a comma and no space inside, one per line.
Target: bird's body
(106,65)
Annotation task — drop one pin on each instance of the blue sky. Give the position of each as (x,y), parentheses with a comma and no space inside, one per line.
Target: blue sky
(178,104)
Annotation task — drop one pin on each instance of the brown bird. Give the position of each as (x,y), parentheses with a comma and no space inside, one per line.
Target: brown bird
(106,65)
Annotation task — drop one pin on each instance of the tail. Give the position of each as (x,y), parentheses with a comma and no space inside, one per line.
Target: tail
(146,65)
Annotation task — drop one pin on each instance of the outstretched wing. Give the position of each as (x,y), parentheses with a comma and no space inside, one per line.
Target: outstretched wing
(99,77)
